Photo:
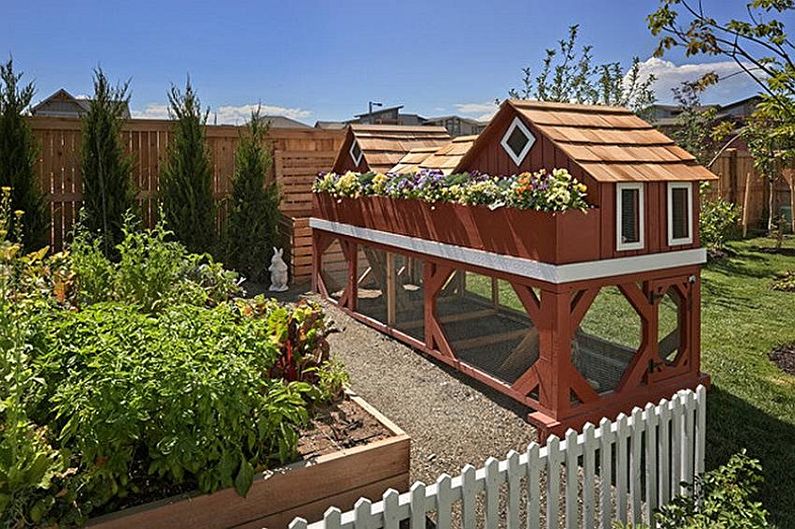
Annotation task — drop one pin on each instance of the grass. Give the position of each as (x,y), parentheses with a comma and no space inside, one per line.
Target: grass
(751,403)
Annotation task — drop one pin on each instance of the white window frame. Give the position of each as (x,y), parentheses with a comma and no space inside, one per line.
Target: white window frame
(356,160)
(626,246)
(517,123)
(683,240)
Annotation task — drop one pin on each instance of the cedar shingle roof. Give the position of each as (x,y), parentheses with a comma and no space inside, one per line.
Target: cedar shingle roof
(611,143)
(383,146)
(445,158)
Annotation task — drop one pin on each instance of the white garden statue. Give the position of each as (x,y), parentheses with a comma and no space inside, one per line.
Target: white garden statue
(278,270)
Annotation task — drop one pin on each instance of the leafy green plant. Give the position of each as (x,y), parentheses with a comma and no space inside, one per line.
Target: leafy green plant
(18,152)
(720,498)
(107,171)
(333,378)
(717,222)
(186,181)
(252,228)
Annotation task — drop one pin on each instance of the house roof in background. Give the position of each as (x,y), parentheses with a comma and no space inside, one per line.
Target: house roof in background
(610,143)
(383,146)
(379,111)
(62,95)
(283,122)
(332,125)
(438,119)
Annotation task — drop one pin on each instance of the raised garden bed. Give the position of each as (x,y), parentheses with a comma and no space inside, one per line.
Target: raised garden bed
(550,237)
(351,451)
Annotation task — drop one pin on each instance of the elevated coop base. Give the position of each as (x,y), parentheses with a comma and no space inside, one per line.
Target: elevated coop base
(573,352)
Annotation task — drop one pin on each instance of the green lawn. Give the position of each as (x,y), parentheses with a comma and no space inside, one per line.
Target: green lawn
(751,403)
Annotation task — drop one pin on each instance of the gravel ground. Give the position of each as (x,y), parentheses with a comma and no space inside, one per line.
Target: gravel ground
(451,420)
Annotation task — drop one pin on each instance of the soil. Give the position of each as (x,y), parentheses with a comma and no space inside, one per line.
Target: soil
(340,426)
(784,357)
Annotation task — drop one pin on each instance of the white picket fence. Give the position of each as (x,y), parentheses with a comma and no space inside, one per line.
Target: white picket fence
(646,456)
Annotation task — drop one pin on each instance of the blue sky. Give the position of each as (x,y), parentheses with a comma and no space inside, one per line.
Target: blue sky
(325,60)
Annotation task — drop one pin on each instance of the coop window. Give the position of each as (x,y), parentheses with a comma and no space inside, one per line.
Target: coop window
(680,213)
(356,153)
(517,141)
(629,216)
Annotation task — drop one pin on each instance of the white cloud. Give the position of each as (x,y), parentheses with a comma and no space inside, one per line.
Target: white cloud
(226,114)
(479,111)
(669,75)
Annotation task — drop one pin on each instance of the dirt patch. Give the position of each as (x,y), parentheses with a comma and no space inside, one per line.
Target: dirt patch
(784,357)
(339,426)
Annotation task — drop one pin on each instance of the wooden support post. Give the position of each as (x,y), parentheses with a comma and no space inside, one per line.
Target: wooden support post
(391,292)
(495,291)
(746,203)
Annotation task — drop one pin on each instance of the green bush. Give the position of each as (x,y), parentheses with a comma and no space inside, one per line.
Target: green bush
(124,381)
(186,182)
(107,171)
(152,271)
(252,229)
(18,153)
(718,222)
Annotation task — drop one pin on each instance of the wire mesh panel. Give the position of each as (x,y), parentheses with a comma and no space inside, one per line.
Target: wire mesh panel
(606,340)
(669,330)
(409,294)
(484,331)
(371,294)
(334,270)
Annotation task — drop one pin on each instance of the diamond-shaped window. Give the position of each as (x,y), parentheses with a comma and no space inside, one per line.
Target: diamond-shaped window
(517,141)
(356,152)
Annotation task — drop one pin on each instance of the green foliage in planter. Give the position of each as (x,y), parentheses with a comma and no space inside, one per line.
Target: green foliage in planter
(252,228)
(175,398)
(717,222)
(152,272)
(186,181)
(107,170)
(18,152)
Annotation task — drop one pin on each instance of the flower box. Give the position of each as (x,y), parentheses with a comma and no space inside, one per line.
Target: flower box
(549,237)
(305,488)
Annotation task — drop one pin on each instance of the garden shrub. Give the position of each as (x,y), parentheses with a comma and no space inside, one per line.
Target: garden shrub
(18,153)
(253,223)
(132,380)
(717,222)
(186,181)
(107,170)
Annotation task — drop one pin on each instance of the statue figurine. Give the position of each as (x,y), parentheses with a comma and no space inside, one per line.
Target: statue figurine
(278,270)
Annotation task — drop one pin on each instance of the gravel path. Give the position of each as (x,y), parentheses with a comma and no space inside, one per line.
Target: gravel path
(451,420)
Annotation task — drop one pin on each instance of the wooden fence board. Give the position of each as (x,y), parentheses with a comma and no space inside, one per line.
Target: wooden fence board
(299,154)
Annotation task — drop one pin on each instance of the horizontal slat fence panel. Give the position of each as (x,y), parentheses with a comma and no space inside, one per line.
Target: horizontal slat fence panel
(302,153)
(569,504)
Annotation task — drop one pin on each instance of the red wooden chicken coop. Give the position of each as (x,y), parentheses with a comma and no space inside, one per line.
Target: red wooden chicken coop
(577,314)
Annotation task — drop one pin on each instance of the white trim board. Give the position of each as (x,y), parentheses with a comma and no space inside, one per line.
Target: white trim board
(550,273)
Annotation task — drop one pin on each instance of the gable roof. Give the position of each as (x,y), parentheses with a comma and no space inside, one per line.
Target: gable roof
(283,122)
(383,146)
(83,105)
(610,143)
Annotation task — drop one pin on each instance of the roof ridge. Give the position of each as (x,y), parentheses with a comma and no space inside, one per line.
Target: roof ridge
(575,107)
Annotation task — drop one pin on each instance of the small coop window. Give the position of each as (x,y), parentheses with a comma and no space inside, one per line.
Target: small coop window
(629,216)
(517,141)
(680,213)
(356,152)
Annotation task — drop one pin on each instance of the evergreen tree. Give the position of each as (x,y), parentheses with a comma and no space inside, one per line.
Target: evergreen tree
(252,228)
(18,152)
(186,182)
(107,171)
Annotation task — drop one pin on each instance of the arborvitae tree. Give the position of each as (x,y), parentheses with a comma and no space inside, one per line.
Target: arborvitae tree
(107,170)
(252,228)
(18,152)
(186,182)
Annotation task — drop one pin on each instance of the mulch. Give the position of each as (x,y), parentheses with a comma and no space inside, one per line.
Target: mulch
(784,357)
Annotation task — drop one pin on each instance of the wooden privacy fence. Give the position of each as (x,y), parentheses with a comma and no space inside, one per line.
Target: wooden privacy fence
(739,183)
(646,456)
(299,154)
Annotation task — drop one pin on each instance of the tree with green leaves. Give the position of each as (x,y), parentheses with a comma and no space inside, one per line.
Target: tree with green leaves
(18,152)
(569,75)
(186,182)
(252,228)
(108,192)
